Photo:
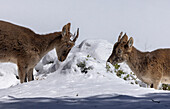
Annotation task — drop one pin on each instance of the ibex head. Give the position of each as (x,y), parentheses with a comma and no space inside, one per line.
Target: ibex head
(121,49)
(67,43)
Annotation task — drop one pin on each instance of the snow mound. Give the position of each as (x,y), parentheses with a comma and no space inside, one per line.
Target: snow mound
(99,49)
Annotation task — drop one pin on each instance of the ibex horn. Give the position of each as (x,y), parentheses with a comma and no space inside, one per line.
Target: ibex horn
(120,36)
(76,35)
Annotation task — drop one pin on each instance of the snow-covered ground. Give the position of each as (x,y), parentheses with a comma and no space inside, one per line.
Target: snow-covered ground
(80,82)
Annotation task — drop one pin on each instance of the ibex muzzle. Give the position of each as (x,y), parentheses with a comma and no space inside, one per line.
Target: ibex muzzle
(121,49)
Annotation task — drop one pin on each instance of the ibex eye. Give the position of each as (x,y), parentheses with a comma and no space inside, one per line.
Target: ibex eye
(68,46)
(119,51)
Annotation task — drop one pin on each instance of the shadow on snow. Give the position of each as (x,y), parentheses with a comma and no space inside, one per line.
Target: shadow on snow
(149,101)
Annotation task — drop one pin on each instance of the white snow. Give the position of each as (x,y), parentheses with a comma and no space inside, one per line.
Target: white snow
(65,85)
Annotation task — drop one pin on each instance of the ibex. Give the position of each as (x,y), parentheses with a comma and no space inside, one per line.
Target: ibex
(25,48)
(152,68)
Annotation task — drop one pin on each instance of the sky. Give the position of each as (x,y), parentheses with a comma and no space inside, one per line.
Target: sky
(147,21)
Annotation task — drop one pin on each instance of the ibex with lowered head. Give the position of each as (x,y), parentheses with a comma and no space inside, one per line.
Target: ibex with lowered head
(24,47)
(152,68)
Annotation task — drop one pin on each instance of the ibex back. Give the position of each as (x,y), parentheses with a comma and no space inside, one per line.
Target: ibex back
(25,48)
(152,68)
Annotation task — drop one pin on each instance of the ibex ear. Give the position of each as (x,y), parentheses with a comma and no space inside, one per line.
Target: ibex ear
(130,42)
(66,29)
(124,38)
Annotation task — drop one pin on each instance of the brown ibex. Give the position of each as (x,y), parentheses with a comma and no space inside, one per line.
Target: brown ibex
(24,47)
(152,68)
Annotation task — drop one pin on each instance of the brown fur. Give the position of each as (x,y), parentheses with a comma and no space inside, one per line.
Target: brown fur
(22,46)
(152,68)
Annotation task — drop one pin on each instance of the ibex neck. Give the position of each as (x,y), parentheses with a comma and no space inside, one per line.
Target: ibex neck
(135,59)
(48,42)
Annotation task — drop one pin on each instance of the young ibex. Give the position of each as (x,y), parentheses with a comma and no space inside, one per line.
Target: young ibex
(22,46)
(152,68)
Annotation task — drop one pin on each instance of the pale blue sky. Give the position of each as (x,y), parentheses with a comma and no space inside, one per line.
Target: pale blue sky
(147,21)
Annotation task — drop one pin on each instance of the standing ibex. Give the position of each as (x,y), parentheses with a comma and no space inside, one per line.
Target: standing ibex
(152,68)
(25,48)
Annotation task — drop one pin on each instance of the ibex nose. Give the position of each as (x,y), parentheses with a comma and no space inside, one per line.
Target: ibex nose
(109,60)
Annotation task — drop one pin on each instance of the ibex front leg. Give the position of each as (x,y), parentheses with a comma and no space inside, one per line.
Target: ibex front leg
(22,72)
(30,74)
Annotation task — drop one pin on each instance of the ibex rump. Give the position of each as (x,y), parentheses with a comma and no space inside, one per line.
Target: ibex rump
(22,46)
(152,68)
